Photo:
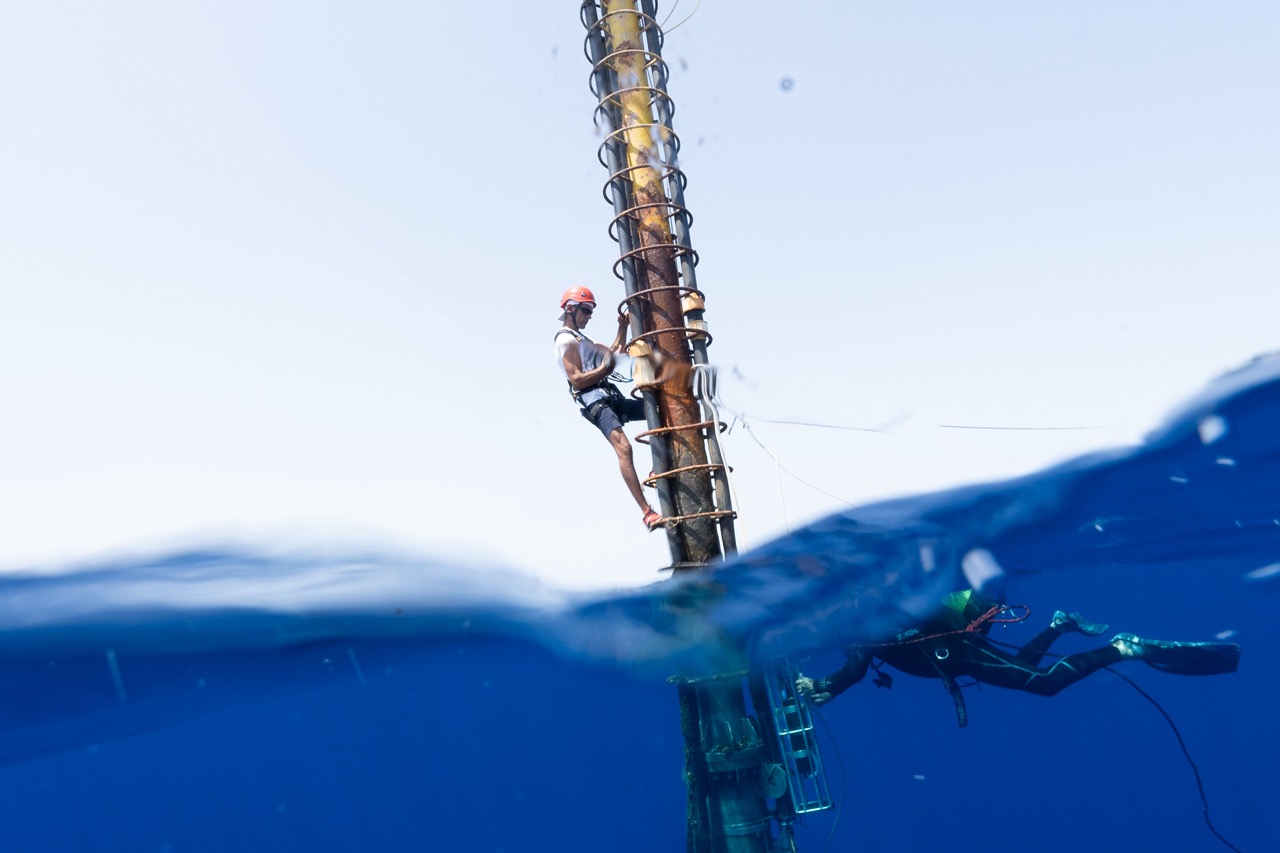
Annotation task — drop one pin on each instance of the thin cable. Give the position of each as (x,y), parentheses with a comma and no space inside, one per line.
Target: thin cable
(747,426)
(685,21)
(844,779)
(1018,428)
(1182,744)
(674,6)
(778,469)
(1204,801)
(892,422)
(826,426)
(882,427)
(739,417)
(706,390)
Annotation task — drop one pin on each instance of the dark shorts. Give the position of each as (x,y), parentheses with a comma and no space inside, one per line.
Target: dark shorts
(611,414)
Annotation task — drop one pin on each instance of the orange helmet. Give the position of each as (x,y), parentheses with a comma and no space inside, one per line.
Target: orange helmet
(577,293)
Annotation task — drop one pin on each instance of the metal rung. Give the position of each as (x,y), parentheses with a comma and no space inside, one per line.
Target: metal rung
(793,726)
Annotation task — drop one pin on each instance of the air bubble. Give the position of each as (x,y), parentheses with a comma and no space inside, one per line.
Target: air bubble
(1211,428)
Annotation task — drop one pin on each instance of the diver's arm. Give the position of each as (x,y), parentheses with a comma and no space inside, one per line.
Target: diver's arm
(820,691)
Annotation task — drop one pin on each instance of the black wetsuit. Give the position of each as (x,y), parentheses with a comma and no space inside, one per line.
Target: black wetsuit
(941,648)
(953,643)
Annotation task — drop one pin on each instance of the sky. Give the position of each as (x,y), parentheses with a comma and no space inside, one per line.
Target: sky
(287,273)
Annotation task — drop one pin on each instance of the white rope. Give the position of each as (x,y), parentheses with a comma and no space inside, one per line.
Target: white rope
(794,475)
(674,6)
(704,390)
(779,468)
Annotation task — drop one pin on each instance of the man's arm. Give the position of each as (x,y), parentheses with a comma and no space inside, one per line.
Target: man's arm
(583,379)
(820,691)
(624,326)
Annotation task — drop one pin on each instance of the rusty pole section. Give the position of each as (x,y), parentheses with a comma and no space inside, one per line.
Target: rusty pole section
(725,756)
(658,278)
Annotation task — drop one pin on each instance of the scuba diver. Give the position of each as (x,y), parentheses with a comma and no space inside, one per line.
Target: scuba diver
(953,643)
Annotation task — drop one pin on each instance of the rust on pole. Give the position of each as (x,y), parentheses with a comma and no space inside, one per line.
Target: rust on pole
(728,809)
(659,288)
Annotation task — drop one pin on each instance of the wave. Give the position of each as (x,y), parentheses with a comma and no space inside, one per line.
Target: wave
(80,644)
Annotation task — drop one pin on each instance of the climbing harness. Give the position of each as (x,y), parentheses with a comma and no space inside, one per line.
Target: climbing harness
(953,690)
(614,394)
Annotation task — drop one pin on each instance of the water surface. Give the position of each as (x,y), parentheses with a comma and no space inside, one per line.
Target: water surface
(241,698)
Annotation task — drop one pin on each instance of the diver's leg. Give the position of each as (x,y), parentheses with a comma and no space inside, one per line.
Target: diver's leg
(1062,623)
(1183,658)
(979,659)
(1032,653)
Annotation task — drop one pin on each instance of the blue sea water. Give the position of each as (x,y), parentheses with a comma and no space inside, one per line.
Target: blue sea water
(236,699)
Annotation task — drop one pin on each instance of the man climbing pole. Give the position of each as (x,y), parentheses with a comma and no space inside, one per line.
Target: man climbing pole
(953,643)
(587,366)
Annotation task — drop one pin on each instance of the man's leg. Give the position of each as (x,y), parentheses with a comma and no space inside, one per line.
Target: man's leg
(626,464)
(606,419)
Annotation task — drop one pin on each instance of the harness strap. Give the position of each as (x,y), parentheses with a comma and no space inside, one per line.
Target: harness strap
(613,394)
(591,411)
(953,690)
(603,385)
(578,336)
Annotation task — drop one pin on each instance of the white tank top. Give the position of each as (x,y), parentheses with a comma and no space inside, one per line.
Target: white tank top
(591,356)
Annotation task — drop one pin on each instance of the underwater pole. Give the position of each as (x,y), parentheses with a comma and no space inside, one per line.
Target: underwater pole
(725,755)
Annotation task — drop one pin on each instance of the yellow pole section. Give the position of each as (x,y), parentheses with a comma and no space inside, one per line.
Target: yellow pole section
(661,312)
(622,21)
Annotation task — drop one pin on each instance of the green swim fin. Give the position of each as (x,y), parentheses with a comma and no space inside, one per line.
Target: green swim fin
(1186,658)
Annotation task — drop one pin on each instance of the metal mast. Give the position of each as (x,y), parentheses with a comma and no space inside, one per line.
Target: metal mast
(651,227)
(736,777)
